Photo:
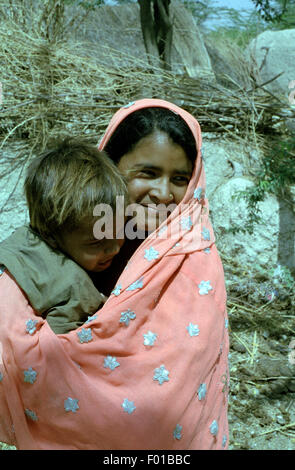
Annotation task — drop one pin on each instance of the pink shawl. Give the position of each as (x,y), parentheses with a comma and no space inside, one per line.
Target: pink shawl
(147,371)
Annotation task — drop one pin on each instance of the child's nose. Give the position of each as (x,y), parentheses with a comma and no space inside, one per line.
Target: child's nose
(113,248)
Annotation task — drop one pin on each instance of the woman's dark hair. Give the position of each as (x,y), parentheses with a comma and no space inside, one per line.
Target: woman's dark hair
(144,122)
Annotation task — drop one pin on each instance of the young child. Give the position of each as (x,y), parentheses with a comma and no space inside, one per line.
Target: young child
(49,259)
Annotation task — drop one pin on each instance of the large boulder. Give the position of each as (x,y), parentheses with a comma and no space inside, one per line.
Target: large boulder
(271,53)
(228,170)
(13,209)
(231,69)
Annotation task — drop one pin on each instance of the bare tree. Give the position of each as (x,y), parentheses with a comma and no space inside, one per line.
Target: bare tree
(157,31)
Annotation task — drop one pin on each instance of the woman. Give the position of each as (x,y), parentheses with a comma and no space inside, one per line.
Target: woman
(149,370)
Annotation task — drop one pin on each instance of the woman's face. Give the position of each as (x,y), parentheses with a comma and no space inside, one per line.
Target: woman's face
(158,172)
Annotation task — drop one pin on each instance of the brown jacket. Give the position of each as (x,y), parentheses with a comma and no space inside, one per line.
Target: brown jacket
(57,287)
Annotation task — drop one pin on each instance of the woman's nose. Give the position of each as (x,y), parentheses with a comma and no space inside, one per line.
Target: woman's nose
(161,192)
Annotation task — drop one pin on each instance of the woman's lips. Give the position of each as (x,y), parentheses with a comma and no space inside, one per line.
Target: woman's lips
(155,208)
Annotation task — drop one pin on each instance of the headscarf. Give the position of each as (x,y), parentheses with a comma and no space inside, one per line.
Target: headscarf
(147,371)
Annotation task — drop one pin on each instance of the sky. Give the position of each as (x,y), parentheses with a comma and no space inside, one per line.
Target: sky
(237,4)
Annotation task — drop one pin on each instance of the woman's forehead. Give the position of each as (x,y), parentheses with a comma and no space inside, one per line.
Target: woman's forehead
(157,151)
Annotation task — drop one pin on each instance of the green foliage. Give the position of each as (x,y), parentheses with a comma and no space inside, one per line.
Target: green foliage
(276,173)
(201,10)
(281,13)
(241,28)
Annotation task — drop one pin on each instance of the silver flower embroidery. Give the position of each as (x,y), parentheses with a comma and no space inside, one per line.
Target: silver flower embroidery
(193,329)
(71,404)
(202,391)
(31,414)
(204,287)
(177,432)
(30,375)
(91,318)
(151,254)
(198,194)
(117,290)
(149,338)
(224,440)
(186,223)
(129,104)
(176,245)
(85,335)
(111,362)
(136,285)
(161,374)
(214,427)
(127,316)
(162,230)
(207,250)
(128,406)
(206,233)
(31,326)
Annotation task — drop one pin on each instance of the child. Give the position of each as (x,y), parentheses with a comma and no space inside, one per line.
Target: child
(49,259)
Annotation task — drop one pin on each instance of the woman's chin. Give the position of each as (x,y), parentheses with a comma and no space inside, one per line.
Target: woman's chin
(148,225)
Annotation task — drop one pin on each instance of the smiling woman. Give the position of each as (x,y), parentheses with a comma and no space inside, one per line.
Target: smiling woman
(155,150)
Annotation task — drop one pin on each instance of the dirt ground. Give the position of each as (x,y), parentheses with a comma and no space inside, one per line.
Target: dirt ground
(262,401)
(262,385)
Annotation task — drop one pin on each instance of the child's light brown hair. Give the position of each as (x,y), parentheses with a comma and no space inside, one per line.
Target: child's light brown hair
(65,183)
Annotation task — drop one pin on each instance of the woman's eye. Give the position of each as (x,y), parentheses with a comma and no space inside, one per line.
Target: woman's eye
(180,180)
(148,173)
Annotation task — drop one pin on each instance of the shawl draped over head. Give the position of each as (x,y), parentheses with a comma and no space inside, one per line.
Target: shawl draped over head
(147,371)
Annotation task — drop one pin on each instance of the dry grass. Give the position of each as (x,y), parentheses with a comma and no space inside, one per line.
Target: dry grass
(52,86)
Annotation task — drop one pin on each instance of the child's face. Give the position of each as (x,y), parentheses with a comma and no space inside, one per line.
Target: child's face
(90,253)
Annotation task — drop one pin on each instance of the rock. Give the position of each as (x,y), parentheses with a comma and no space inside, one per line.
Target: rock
(13,210)
(280,419)
(271,53)
(230,67)
(236,346)
(291,386)
(261,246)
